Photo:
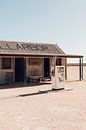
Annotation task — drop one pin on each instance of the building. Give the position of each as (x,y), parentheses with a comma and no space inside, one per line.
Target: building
(30,62)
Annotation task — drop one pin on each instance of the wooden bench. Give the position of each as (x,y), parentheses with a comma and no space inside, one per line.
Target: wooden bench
(35,79)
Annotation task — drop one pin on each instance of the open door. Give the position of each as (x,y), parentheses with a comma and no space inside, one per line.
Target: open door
(19,69)
(46,67)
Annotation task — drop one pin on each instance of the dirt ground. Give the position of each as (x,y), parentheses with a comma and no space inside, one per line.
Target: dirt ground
(36,108)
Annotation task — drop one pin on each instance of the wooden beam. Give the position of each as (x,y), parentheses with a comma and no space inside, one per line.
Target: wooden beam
(25,78)
(65,68)
(80,70)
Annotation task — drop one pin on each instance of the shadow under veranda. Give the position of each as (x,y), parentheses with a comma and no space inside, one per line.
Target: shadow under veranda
(21,85)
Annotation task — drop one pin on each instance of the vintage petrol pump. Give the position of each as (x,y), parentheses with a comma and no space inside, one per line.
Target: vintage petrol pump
(58,77)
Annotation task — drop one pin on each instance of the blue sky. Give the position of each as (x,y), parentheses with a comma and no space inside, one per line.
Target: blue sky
(54,21)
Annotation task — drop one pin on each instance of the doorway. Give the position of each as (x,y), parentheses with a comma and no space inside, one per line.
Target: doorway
(19,69)
(46,67)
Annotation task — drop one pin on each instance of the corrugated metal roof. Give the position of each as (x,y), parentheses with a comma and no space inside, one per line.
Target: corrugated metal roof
(26,48)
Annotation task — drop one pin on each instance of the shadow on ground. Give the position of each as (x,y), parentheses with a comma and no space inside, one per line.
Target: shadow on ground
(41,92)
(20,85)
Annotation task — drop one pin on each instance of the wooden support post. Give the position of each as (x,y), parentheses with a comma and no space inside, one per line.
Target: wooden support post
(65,68)
(80,70)
(13,70)
(25,71)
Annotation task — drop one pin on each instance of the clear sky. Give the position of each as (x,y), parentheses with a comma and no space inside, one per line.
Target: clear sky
(54,21)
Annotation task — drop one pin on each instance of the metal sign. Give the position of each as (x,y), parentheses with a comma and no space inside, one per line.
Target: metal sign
(24,46)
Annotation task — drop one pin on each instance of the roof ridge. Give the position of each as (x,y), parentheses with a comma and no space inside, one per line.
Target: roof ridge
(18,41)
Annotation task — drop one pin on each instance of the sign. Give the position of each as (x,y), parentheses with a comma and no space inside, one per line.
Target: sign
(23,46)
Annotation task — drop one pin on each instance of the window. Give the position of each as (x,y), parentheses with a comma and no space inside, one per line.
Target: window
(6,63)
(58,61)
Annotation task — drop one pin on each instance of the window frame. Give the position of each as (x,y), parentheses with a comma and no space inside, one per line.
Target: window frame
(59,61)
(6,63)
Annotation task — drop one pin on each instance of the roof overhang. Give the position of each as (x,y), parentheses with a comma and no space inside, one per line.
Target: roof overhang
(42,55)
(69,56)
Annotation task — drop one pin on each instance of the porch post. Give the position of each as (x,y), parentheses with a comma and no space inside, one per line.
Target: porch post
(80,69)
(25,71)
(65,68)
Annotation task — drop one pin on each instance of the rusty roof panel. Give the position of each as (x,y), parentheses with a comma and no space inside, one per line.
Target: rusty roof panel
(24,48)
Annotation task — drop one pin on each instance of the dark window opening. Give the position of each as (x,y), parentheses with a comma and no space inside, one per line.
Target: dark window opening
(59,61)
(6,63)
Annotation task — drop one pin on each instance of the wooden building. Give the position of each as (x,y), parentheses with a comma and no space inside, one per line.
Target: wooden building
(29,62)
